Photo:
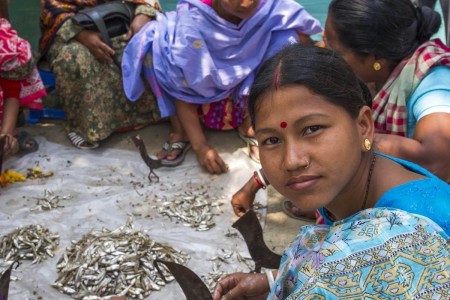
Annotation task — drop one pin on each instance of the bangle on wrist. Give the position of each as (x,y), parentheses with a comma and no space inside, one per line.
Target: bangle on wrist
(270,278)
(258,180)
(261,177)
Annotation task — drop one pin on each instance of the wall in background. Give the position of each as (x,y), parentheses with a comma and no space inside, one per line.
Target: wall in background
(24,15)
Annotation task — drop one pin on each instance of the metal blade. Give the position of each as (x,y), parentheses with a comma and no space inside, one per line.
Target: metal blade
(193,287)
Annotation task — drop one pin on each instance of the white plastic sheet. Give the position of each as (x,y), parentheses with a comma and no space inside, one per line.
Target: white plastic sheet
(104,193)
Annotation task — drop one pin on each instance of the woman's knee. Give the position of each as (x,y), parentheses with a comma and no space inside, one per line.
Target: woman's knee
(73,60)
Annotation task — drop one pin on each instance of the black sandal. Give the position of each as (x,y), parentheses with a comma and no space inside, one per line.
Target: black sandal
(27,144)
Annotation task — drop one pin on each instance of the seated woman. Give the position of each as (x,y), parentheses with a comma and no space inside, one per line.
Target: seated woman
(387,43)
(20,87)
(315,134)
(88,82)
(201,59)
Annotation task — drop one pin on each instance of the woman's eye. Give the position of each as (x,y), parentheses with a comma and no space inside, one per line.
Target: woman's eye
(271,141)
(312,129)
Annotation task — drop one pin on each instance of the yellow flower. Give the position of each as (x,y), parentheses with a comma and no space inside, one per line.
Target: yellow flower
(10,176)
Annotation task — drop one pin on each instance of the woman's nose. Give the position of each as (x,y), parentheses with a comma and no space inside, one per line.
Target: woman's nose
(294,157)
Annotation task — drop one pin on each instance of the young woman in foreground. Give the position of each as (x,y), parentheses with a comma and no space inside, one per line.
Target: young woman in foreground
(315,134)
(388,44)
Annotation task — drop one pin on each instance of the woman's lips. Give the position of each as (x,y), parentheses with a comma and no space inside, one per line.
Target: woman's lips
(302,182)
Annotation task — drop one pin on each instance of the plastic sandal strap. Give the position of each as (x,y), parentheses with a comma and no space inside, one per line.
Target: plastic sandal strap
(167,146)
(178,145)
(78,140)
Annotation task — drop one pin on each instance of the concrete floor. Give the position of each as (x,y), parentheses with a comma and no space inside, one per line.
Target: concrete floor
(279,229)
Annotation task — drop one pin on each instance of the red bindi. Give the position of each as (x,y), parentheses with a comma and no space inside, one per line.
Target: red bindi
(283,124)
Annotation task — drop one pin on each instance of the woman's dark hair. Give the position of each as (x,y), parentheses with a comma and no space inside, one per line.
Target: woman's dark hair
(390,29)
(320,70)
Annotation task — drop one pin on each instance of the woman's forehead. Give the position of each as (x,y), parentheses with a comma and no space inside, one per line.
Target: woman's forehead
(289,97)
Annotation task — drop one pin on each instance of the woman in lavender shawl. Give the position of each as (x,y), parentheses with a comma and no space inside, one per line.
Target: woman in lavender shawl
(200,61)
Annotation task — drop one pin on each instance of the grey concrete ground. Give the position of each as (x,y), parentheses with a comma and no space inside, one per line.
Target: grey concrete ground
(279,229)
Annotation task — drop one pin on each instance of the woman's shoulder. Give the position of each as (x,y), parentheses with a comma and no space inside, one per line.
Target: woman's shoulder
(360,228)
(399,178)
(432,95)
(437,78)
(367,229)
(428,195)
(386,220)
(413,167)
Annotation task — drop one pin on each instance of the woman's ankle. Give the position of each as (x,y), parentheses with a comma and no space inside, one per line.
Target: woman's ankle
(177,137)
(246,128)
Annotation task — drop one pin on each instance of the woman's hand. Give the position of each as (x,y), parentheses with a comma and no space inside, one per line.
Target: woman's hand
(138,22)
(242,200)
(242,286)
(210,160)
(99,49)
(10,146)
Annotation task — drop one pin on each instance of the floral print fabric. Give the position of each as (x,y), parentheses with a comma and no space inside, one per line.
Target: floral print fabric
(91,92)
(379,253)
(16,63)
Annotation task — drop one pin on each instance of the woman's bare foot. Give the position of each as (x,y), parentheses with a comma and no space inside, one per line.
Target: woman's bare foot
(169,153)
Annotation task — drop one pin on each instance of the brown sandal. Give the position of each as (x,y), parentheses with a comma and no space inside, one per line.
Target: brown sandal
(251,142)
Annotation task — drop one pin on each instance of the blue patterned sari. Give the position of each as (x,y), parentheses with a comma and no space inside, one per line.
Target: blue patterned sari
(379,253)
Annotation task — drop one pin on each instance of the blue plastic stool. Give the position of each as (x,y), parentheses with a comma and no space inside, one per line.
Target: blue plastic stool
(34,116)
(48,78)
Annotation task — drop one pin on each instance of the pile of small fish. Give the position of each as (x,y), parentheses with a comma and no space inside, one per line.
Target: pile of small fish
(32,242)
(49,201)
(227,257)
(213,277)
(120,262)
(194,210)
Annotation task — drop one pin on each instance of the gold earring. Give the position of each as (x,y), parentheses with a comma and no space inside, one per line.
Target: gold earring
(376,66)
(367,144)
